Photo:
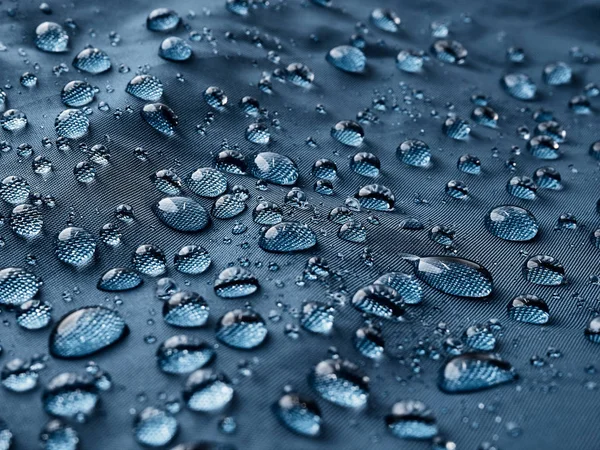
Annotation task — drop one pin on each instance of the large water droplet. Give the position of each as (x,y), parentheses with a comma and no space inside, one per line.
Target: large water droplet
(17,286)
(287,237)
(149,260)
(86,331)
(235,282)
(544,270)
(145,87)
(13,120)
(379,300)
(92,60)
(227,207)
(192,260)
(340,382)
(522,187)
(75,246)
(519,86)
(174,49)
(348,133)
(70,396)
(160,117)
(544,147)
(71,124)
(480,337)
(529,309)
(241,328)
(299,414)
(474,372)
(410,61)
(34,314)
(230,161)
(299,75)
(77,93)
(26,220)
(376,197)
(411,419)
(347,58)
(454,276)
(274,168)
(385,19)
(368,341)
(57,435)
(414,153)
(511,223)
(557,73)
(51,37)
(206,391)
(267,213)
(154,427)
(365,164)
(206,182)
(119,279)
(181,214)
(18,376)
(183,354)
(186,309)
(317,317)
(162,19)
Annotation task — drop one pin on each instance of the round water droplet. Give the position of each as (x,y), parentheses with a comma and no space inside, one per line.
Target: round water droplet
(34,314)
(258,133)
(99,154)
(174,49)
(323,187)
(474,372)
(13,120)
(411,419)
(297,198)
(238,7)
(77,93)
(544,270)
(26,221)
(410,61)
(145,87)
(365,164)
(324,169)
(149,260)
(486,116)
(286,237)
(207,391)
(75,246)
(480,337)
(181,214)
(84,172)
(51,37)
(317,317)
(17,286)
(160,117)
(274,168)
(119,279)
(250,106)
(414,153)
(454,276)
(340,382)
(92,60)
(206,182)
(544,147)
(192,260)
(235,282)
(57,435)
(511,223)
(86,331)
(28,80)
(340,215)
(407,286)
(299,414)
(186,309)
(519,86)
(592,332)
(457,189)
(557,73)
(267,213)
(386,20)
(469,164)
(183,354)
(379,300)
(451,52)
(14,189)
(242,329)
(70,396)
(529,309)
(299,75)
(353,231)
(442,235)
(553,130)
(18,376)
(376,197)
(167,182)
(580,104)
(368,341)
(227,206)
(71,124)
(215,98)
(347,58)
(110,235)
(162,19)
(154,427)
(522,187)
(515,55)
(456,128)
(348,133)
(230,161)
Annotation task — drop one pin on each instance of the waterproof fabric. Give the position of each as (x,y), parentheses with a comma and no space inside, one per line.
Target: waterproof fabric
(552,407)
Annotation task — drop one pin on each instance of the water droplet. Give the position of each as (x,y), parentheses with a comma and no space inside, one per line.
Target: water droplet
(407,286)
(457,189)
(243,329)
(207,391)
(486,116)
(149,260)
(17,286)
(368,341)
(192,260)
(379,300)
(26,221)
(34,314)
(544,270)
(162,19)
(511,223)
(385,20)
(86,331)
(299,75)
(592,332)
(227,206)
(119,279)
(28,80)
(410,61)
(411,419)
(451,52)
(183,354)
(267,213)
(145,87)
(480,337)
(454,276)
(515,55)
(238,7)
(167,182)
(154,427)
(286,237)
(348,133)
(18,376)
(235,282)
(365,164)
(160,117)
(376,197)
(456,128)
(250,106)
(553,130)
(181,214)
(580,104)
(215,98)
(474,372)
(519,86)
(299,414)
(84,172)
(92,60)
(174,49)
(230,161)
(340,215)
(186,309)
(13,120)
(51,37)
(258,133)
(414,153)
(71,124)
(75,246)
(317,317)
(70,396)
(206,182)
(353,231)
(522,187)
(297,198)
(14,189)
(340,382)
(274,168)
(347,58)
(6,436)
(557,73)
(57,435)
(529,309)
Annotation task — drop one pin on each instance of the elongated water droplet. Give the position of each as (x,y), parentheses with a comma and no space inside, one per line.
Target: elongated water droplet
(70,396)
(241,328)
(529,309)
(160,117)
(288,237)
(274,168)
(411,419)
(183,354)
(347,58)
(181,214)
(86,331)
(186,309)
(544,270)
(340,382)
(206,391)
(235,282)
(299,414)
(474,372)
(119,279)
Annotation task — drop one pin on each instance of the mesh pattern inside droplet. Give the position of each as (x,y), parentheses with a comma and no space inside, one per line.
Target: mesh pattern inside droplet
(455,278)
(528,314)
(242,334)
(511,223)
(471,373)
(181,214)
(287,237)
(193,313)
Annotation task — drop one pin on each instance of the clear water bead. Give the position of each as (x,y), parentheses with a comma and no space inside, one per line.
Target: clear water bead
(206,391)
(274,168)
(186,309)
(17,286)
(519,86)
(456,128)
(353,231)
(299,414)
(544,147)
(267,213)
(183,354)
(511,223)
(75,246)
(206,182)
(258,133)
(145,87)
(340,382)
(84,172)
(160,117)
(92,60)
(192,260)
(376,197)
(215,98)
(324,169)
(414,152)
(77,93)
(70,396)
(451,52)
(411,419)
(57,435)
(348,133)
(522,187)
(287,237)
(410,61)
(175,49)
(154,427)
(365,164)
(26,221)
(71,124)
(407,286)
(386,20)
(369,342)
(119,279)
(51,37)
(558,73)
(13,120)
(457,189)
(474,372)
(379,300)
(529,309)
(242,329)
(181,214)
(162,19)
(150,260)
(299,75)
(544,270)
(235,282)
(347,58)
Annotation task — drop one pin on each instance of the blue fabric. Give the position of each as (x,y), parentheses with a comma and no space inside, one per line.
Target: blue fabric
(555,407)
